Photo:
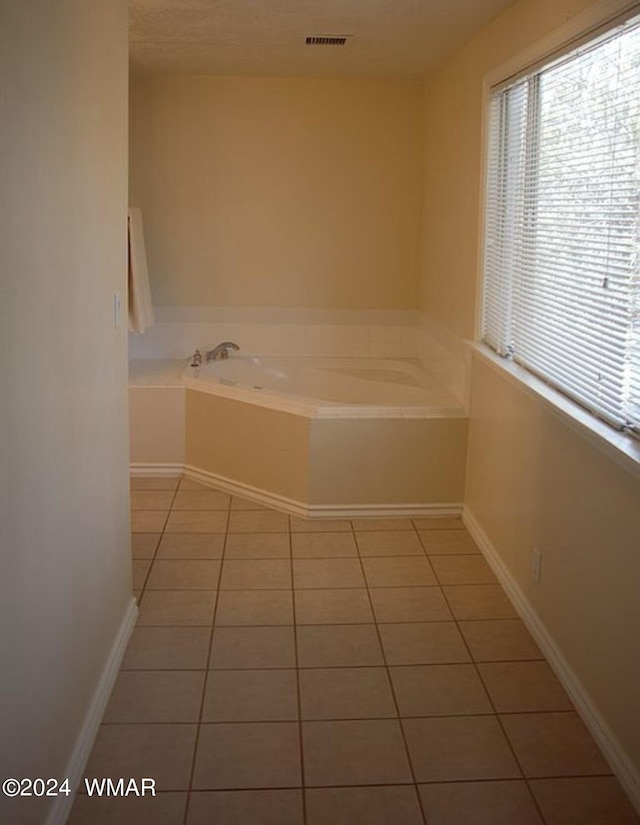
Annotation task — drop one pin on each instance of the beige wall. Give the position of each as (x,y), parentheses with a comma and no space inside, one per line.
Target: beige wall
(534,482)
(453,157)
(279,192)
(66,577)
(531,479)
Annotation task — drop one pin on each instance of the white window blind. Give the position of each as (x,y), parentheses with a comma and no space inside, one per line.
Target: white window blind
(562,226)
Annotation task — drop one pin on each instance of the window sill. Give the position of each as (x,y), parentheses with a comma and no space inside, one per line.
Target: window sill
(621,448)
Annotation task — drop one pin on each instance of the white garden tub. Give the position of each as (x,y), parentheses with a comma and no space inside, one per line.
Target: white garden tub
(327,387)
(312,436)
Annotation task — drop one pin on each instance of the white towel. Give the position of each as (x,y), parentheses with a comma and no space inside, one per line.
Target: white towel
(140,307)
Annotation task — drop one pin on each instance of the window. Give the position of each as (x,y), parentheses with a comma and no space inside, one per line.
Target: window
(562,228)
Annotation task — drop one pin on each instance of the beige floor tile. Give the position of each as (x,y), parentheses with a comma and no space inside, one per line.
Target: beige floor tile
(163,752)
(254,607)
(407,571)
(163,809)
(151,500)
(338,646)
(237,648)
(553,744)
(382,805)
(248,755)
(318,573)
(462,569)
(410,604)
(346,693)
(246,808)
(439,690)
(389,543)
(378,524)
(523,686)
(448,542)
(479,601)
(137,595)
(169,574)
(439,523)
(258,521)
(354,753)
(155,483)
(155,696)
(255,574)
(191,546)
(597,800)
(257,546)
(167,648)
(319,525)
(144,545)
(329,606)
(177,607)
(250,696)
(240,503)
(499,640)
(140,568)
(197,521)
(148,521)
(423,643)
(446,749)
(479,803)
(323,545)
(201,500)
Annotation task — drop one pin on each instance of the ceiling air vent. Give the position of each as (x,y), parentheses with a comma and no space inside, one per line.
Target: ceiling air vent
(327,40)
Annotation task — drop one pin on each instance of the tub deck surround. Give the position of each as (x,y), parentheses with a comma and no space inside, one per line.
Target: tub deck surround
(277,332)
(391,447)
(156,412)
(156,372)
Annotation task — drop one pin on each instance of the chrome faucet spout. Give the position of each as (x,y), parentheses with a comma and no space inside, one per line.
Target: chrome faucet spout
(222,351)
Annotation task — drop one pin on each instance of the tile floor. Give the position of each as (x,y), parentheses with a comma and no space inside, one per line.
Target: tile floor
(290,672)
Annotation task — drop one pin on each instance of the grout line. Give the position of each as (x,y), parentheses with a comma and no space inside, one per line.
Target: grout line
(195,723)
(391,687)
(382,784)
(298,694)
(286,720)
(335,667)
(162,532)
(495,712)
(206,674)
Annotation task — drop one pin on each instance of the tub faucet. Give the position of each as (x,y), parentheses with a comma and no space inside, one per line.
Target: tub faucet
(221,351)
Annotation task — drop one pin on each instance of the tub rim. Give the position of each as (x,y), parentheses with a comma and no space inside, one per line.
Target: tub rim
(309,407)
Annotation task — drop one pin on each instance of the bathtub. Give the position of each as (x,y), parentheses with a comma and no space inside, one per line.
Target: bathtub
(327,387)
(338,437)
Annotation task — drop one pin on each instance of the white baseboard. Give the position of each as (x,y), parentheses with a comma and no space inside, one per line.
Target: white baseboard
(383,510)
(59,811)
(319,511)
(237,488)
(611,748)
(299,508)
(140,470)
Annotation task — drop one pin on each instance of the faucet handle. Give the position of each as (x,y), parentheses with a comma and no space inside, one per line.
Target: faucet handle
(196,358)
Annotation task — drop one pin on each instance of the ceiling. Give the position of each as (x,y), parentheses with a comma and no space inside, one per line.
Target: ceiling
(389,38)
